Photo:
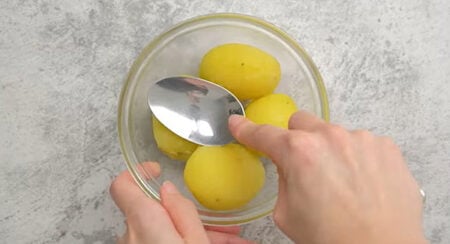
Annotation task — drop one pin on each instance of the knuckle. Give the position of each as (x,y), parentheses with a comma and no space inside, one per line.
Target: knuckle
(117,181)
(132,215)
(302,140)
(296,141)
(363,133)
(136,222)
(180,200)
(254,131)
(189,204)
(282,218)
(386,140)
(293,141)
(262,128)
(389,143)
(278,218)
(294,118)
(135,214)
(113,186)
(336,132)
(364,136)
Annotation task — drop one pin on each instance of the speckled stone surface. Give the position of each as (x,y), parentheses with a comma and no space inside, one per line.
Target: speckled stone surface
(386,65)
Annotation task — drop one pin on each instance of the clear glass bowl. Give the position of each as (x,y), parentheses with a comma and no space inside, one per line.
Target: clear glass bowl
(178,51)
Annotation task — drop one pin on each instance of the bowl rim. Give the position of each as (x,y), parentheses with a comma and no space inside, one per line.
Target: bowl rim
(152,44)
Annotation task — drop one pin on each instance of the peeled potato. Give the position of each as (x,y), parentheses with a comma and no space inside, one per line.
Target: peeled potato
(224,177)
(171,144)
(246,71)
(273,109)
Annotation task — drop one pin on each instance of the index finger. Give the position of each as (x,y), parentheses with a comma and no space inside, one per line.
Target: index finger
(124,189)
(264,138)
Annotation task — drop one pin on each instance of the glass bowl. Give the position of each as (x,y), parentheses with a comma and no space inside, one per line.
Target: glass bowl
(178,51)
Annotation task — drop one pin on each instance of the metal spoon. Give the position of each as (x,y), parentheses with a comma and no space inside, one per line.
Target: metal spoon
(194,109)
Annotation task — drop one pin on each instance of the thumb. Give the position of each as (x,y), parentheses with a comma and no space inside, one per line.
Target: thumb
(183,214)
(267,139)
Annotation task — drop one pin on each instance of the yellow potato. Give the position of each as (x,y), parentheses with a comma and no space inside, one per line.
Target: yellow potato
(273,109)
(171,144)
(224,177)
(246,71)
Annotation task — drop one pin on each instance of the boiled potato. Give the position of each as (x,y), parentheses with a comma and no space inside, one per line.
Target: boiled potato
(224,177)
(171,144)
(246,71)
(273,109)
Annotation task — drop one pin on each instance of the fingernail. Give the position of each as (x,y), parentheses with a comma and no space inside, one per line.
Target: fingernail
(169,187)
(234,120)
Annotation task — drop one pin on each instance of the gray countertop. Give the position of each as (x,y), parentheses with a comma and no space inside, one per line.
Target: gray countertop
(386,65)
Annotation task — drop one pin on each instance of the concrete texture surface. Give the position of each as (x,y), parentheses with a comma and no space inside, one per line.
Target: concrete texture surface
(386,65)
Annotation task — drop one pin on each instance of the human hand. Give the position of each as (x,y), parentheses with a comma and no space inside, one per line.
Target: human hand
(173,221)
(337,186)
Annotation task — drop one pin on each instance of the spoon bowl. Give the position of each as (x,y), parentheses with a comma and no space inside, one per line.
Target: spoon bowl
(195,109)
